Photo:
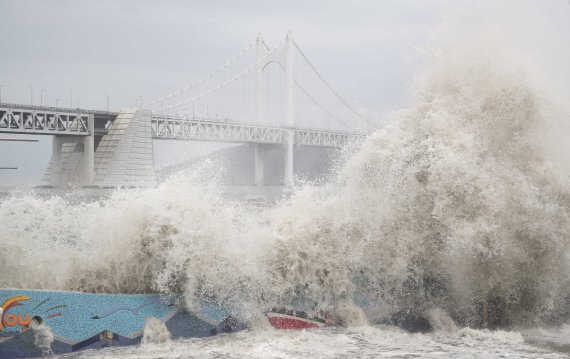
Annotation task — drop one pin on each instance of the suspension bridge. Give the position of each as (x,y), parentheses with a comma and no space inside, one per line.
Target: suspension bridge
(259,101)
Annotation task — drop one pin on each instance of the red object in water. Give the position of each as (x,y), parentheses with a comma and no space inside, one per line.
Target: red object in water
(284,321)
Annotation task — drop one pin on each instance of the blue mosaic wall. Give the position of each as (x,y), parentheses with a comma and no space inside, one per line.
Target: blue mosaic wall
(83,320)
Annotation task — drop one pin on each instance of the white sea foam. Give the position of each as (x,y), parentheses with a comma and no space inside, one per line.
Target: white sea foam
(362,342)
(155,332)
(460,205)
(43,337)
(454,205)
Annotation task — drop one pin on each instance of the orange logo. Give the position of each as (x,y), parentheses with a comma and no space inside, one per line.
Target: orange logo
(11,320)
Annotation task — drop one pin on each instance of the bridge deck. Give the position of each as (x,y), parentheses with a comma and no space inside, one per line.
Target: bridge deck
(44,120)
(193,129)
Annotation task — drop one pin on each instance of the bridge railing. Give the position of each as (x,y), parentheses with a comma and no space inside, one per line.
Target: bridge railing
(37,120)
(31,120)
(172,128)
(56,109)
(181,128)
(325,138)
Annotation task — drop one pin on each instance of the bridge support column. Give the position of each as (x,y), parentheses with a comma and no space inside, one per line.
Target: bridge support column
(57,162)
(259,164)
(288,161)
(89,154)
(289,133)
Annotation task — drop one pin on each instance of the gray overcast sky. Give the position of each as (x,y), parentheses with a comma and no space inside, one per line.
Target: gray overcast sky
(366,49)
(150,48)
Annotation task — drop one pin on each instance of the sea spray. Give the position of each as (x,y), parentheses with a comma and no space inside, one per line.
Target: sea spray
(155,332)
(440,321)
(456,205)
(43,336)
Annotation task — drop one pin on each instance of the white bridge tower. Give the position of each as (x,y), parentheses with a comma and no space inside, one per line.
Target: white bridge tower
(284,56)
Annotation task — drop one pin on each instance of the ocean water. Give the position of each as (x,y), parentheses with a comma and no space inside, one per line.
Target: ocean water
(353,342)
(457,211)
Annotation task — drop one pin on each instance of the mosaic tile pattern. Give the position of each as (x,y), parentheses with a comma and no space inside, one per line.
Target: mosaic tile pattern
(83,320)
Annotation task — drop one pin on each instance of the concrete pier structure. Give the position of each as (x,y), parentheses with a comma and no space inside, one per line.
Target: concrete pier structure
(124,157)
(72,161)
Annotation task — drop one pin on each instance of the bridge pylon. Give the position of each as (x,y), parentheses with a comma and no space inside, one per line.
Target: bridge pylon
(283,56)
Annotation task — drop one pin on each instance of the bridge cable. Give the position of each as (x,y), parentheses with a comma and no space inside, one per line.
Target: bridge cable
(226,83)
(344,102)
(207,77)
(319,105)
(309,95)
